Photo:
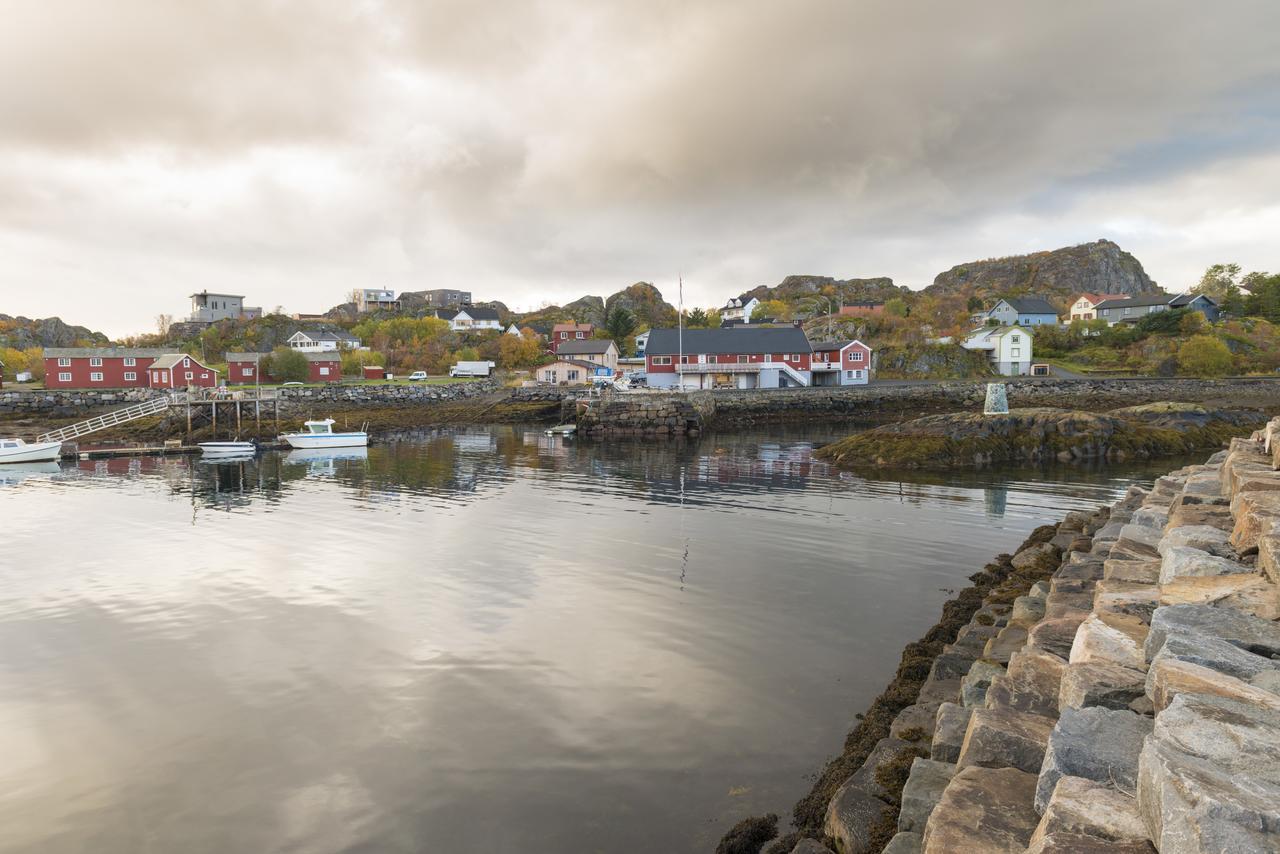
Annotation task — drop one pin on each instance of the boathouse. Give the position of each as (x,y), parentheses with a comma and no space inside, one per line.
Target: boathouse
(841,363)
(247,368)
(179,370)
(98,367)
(734,357)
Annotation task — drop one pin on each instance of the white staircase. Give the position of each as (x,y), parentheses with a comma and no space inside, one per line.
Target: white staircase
(800,379)
(154,406)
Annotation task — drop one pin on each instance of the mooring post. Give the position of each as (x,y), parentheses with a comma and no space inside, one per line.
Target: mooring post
(213,411)
(237,419)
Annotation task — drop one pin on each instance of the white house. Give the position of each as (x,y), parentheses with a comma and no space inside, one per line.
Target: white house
(1084,306)
(1008,348)
(470,318)
(324,340)
(513,330)
(642,341)
(739,309)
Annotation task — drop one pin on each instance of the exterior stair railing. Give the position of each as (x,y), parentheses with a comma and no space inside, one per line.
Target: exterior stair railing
(154,406)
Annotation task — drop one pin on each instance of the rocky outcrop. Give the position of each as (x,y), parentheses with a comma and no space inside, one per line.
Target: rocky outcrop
(1099,267)
(795,288)
(22,333)
(1041,434)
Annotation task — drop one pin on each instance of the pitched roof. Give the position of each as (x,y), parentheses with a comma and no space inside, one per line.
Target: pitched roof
(1032,305)
(169,360)
(581,363)
(327,356)
(245,357)
(572,327)
(1186,299)
(1094,298)
(327,335)
(103,352)
(446,313)
(1143,300)
(743,339)
(585,347)
(476,312)
(835,346)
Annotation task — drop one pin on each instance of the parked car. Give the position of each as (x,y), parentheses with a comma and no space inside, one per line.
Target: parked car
(418,375)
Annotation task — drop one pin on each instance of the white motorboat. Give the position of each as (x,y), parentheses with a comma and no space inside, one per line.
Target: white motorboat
(18,451)
(320,434)
(228,449)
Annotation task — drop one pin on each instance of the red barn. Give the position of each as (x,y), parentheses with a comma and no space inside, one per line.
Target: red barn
(562,332)
(242,368)
(178,370)
(98,367)
(324,367)
(841,363)
(374,372)
(733,357)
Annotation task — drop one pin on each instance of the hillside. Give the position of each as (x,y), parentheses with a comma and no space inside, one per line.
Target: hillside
(642,299)
(20,333)
(1098,267)
(793,289)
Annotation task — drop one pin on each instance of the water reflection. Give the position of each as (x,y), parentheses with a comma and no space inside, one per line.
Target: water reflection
(465,640)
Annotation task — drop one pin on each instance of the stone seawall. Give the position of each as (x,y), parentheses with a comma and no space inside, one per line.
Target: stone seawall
(638,415)
(1116,689)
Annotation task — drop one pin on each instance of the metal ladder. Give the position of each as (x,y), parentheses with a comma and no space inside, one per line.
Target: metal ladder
(154,406)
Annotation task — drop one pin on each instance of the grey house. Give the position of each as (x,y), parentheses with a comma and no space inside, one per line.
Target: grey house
(1023,311)
(1133,309)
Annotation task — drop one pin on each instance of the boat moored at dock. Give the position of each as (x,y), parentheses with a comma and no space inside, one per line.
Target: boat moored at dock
(221,450)
(320,434)
(18,451)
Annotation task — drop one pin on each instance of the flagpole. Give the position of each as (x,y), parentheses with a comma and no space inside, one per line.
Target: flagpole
(680,335)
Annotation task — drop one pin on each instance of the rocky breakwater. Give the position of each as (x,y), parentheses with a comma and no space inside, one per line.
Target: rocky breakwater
(638,415)
(1042,434)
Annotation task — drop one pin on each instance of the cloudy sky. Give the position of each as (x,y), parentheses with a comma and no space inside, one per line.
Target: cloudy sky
(536,151)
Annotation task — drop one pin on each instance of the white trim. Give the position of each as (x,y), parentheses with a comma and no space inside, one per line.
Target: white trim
(95,376)
(130,376)
(64,377)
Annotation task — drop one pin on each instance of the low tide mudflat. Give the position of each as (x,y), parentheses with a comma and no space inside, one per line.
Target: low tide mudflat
(470,640)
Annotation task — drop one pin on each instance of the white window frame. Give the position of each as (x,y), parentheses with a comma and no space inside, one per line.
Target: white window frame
(64,361)
(95,376)
(744,360)
(130,376)
(130,361)
(186,363)
(324,372)
(661,360)
(248,372)
(191,375)
(95,361)
(856,356)
(64,377)
(579,334)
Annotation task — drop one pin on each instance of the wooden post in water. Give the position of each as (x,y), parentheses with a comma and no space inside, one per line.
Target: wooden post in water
(188,419)
(213,411)
(237,419)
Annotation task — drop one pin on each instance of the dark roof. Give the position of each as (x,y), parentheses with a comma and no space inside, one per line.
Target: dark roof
(1131,302)
(743,339)
(327,335)
(170,359)
(104,352)
(585,346)
(446,313)
(1032,305)
(823,346)
(480,312)
(245,357)
(1186,299)
(582,363)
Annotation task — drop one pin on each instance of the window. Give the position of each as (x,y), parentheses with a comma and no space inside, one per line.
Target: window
(661,360)
(1016,339)
(1015,353)
(95,377)
(579,334)
(571,375)
(324,372)
(248,372)
(95,362)
(855,356)
(64,362)
(190,374)
(793,357)
(64,377)
(1127,309)
(186,363)
(130,376)
(742,360)
(204,375)
(563,335)
(687,360)
(129,361)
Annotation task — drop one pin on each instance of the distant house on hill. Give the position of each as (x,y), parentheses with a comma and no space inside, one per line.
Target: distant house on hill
(570,332)
(1135,308)
(1008,348)
(210,308)
(1023,311)
(743,357)
(470,318)
(446,298)
(642,341)
(325,339)
(1085,306)
(739,308)
(376,299)
(862,309)
(513,330)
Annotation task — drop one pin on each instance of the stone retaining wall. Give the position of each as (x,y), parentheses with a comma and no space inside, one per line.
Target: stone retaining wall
(639,415)
(1129,702)
(70,402)
(295,400)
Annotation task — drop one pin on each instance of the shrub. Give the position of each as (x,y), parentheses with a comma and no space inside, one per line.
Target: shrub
(286,365)
(1204,356)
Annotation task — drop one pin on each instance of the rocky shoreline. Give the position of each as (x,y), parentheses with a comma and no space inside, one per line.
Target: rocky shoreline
(1113,686)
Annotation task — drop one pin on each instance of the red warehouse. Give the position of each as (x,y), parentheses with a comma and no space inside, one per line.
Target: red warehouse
(178,370)
(244,368)
(841,363)
(733,357)
(324,367)
(98,367)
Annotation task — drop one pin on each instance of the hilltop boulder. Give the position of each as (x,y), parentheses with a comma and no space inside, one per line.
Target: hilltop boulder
(1099,267)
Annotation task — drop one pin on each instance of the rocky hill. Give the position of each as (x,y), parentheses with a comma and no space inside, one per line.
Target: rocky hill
(1098,267)
(795,288)
(23,332)
(642,299)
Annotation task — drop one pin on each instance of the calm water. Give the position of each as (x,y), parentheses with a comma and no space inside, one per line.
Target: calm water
(465,641)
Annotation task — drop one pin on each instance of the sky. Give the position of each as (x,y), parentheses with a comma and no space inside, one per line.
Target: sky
(535,151)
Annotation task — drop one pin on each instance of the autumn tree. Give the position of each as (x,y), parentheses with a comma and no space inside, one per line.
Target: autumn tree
(1204,356)
(286,365)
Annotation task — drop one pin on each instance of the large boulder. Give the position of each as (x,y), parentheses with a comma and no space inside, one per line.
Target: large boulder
(948,734)
(915,722)
(1083,807)
(1213,653)
(850,817)
(1242,630)
(1170,677)
(983,809)
(1180,561)
(902,843)
(998,738)
(1246,592)
(1111,638)
(1100,683)
(1055,635)
(1240,737)
(973,688)
(1031,684)
(922,792)
(1094,743)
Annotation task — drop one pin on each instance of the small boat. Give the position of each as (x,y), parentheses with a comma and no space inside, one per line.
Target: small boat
(562,430)
(18,451)
(228,449)
(320,434)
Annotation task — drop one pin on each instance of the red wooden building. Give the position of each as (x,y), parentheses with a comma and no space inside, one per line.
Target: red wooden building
(178,370)
(562,332)
(98,367)
(841,363)
(733,357)
(246,368)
